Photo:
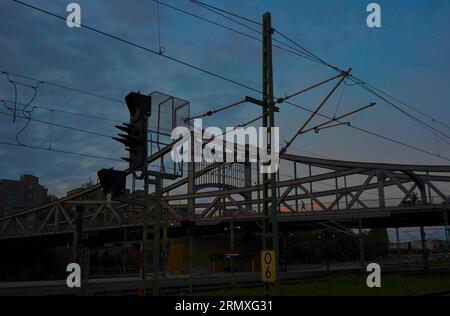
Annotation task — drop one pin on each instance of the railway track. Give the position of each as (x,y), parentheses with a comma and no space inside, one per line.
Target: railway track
(179,285)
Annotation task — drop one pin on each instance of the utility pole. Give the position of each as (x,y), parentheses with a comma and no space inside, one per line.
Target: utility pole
(135,139)
(144,250)
(156,233)
(269,180)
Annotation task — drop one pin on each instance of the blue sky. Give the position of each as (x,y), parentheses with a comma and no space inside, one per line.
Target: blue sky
(407,57)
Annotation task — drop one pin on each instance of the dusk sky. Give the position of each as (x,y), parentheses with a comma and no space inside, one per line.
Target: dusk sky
(407,57)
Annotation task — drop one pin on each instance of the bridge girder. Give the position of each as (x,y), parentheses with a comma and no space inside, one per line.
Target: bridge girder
(57,217)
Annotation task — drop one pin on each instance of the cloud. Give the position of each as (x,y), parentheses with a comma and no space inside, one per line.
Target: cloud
(41,46)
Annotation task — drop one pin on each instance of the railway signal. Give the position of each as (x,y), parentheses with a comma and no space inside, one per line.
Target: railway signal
(113,181)
(135,133)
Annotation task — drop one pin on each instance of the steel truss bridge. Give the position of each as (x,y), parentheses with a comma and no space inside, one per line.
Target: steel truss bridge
(331,193)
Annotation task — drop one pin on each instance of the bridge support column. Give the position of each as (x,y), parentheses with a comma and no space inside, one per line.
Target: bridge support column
(447,237)
(424,248)
(380,181)
(78,245)
(311,201)
(430,198)
(361,246)
(337,194)
(157,234)
(296,187)
(248,183)
(191,176)
(124,251)
(165,249)
(232,248)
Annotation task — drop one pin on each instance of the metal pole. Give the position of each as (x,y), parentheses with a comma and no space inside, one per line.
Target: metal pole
(224,206)
(424,248)
(146,210)
(191,175)
(361,245)
(258,184)
(124,251)
(156,235)
(447,237)
(144,249)
(265,177)
(311,189)
(232,248)
(430,199)
(78,242)
(296,188)
(191,241)
(327,258)
(269,180)
(85,269)
(133,189)
(380,182)
(165,246)
(346,195)
(337,194)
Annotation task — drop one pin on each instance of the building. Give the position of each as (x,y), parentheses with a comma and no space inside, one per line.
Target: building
(16,195)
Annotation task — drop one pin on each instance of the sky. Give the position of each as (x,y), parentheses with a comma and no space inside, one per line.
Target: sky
(407,57)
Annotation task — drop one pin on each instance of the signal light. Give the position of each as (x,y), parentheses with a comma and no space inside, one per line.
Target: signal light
(112,181)
(135,138)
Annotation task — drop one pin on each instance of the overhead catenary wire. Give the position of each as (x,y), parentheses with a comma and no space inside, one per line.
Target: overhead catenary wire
(408,105)
(57,125)
(26,113)
(292,50)
(314,57)
(370,89)
(15,97)
(428,127)
(64,111)
(366,85)
(68,88)
(317,59)
(226,12)
(211,112)
(67,152)
(117,38)
(59,151)
(50,137)
(87,132)
(220,76)
(386,138)
(62,86)
(218,11)
(158,20)
(437,143)
(76,129)
(281,100)
(314,113)
(338,104)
